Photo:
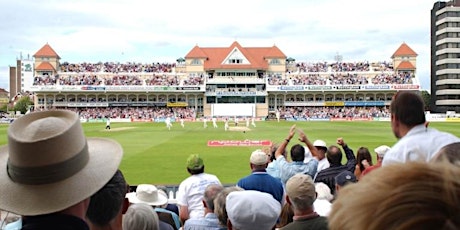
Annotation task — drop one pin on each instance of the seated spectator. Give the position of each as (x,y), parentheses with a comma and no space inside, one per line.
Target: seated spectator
(107,206)
(413,195)
(286,216)
(141,216)
(449,153)
(259,179)
(169,206)
(252,209)
(54,194)
(301,194)
(323,200)
(380,151)
(149,194)
(220,205)
(344,178)
(209,221)
(191,190)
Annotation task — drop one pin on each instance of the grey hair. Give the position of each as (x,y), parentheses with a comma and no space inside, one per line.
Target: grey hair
(140,217)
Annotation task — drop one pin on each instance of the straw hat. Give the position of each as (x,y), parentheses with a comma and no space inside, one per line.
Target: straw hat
(49,164)
(147,194)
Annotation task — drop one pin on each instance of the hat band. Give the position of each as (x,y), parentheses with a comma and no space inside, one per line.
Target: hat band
(49,173)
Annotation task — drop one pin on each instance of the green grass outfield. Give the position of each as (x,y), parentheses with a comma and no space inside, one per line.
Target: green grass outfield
(152,154)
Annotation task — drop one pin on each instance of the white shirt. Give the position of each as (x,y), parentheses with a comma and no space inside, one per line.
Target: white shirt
(191,191)
(323,164)
(419,144)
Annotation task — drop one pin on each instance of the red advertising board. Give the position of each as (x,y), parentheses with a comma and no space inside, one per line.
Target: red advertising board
(238,143)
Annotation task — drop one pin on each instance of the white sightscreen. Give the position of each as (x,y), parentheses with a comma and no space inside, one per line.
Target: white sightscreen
(247,110)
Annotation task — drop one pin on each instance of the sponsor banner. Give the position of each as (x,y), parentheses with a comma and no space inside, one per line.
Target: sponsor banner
(237,93)
(194,88)
(453,119)
(341,119)
(364,103)
(318,87)
(86,104)
(141,120)
(398,87)
(288,103)
(238,143)
(381,119)
(362,119)
(319,119)
(289,88)
(97,88)
(334,103)
(177,104)
(139,104)
(376,87)
(347,87)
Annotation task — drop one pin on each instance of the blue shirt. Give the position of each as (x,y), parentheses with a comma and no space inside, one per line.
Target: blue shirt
(261,181)
(209,222)
(289,169)
(273,169)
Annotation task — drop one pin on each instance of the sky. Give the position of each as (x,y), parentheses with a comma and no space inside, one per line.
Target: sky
(162,31)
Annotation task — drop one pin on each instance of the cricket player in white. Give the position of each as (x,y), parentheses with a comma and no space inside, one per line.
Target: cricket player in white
(214,122)
(247,122)
(278,115)
(226,124)
(205,122)
(182,122)
(253,123)
(168,123)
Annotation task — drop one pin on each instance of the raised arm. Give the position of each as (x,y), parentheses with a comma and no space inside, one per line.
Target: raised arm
(351,159)
(283,145)
(303,138)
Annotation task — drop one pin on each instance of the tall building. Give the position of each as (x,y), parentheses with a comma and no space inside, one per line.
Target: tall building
(445,56)
(21,76)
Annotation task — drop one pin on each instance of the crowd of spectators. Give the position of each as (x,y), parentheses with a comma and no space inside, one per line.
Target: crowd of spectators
(318,67)
(141,113)
(298,112)
(341,78)
(112,67)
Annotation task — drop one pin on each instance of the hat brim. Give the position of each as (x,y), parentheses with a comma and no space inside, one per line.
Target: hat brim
(133,199)
(30,200)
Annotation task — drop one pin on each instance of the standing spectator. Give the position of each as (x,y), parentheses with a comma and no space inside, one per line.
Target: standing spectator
(321,148)
(141,216)
(209,221)
(301,194)
(252,210)
(259,179)
(289,169)
(416,141)
(380,151)
(363,161)
(59,193)
(334,156)
(191,190)
(108,205)
(273,168)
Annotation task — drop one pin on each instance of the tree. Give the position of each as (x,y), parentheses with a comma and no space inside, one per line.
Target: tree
(23,104)
(426,99)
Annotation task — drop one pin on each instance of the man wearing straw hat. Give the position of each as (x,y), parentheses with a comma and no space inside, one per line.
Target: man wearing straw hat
(49,169)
